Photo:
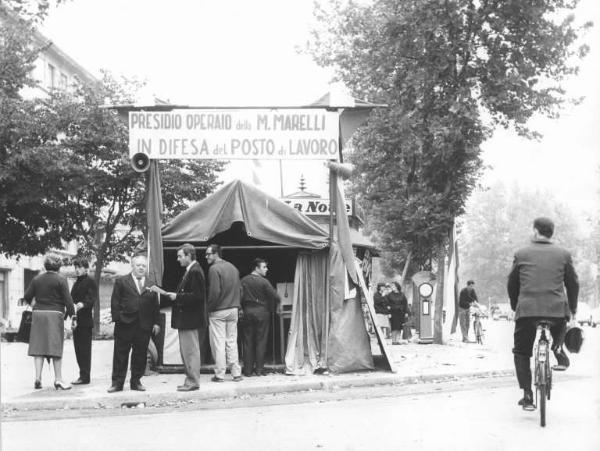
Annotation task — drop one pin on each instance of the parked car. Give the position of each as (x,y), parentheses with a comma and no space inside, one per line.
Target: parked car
(584,314)
(502,311)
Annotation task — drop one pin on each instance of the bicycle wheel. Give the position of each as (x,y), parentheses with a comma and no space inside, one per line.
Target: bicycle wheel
(549,381)
(542,398)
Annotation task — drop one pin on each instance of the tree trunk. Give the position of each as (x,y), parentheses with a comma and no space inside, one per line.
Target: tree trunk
(405,270)
(438,319)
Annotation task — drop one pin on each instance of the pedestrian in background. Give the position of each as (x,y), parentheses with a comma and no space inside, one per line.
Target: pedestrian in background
(382,310)
(466,297)
(49,296)
(85,294)
(398,308)
(224,296)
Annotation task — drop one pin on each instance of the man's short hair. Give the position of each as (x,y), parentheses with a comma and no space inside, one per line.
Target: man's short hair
(188,249)
(52,263)
(136,256)
(257,262)
(81,262)
(216,249)
(470,282)
(544,226)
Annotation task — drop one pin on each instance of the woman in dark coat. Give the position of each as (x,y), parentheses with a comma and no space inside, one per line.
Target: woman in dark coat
(382,310)
(399,309)
(51,293)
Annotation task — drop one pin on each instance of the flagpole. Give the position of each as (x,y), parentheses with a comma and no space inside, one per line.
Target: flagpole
(281,178)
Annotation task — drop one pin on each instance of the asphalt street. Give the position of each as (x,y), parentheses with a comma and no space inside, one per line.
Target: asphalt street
(468,414)
(482,415)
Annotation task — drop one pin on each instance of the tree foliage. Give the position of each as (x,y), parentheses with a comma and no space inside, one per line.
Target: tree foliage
(450,70)
(31,200)
(499,221)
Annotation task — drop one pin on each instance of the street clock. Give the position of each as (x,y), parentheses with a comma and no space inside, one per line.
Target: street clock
(425,290)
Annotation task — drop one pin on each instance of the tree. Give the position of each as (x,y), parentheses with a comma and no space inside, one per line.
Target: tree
(31,202)
(499,221)
(449,70)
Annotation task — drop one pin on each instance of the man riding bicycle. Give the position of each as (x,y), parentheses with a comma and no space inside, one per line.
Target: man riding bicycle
(535,289)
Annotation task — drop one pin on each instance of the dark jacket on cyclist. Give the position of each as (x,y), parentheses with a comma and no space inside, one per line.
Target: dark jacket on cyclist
(538,278)
(536,288)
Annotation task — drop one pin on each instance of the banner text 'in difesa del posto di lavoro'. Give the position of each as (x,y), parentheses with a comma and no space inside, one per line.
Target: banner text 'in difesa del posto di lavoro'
(266,134)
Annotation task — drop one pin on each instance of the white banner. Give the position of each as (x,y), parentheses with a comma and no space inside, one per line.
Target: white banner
(265,134)
(315,206)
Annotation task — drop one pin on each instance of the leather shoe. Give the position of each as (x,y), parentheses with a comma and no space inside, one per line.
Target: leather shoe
(187,387)
(217,379)
(137,386)
(38,384)
(115,388)
(237,378)
(80,381)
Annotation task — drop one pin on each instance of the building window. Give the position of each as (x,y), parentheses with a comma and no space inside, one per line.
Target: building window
(51,76)
(63,81)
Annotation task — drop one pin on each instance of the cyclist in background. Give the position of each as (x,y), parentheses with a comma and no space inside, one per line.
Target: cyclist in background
(535,289)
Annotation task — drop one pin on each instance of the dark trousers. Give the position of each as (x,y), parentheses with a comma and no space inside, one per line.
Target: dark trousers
(82,340)
(464,317)
(255,332)
(129,337)
(524,337)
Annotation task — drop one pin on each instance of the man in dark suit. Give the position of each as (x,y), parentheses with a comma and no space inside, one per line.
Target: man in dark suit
(135,312)
(85,294)
(536,292)
(189,314)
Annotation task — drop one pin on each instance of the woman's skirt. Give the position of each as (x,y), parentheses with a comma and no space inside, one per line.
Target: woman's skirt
(382,320)
(397,320)
(47,334)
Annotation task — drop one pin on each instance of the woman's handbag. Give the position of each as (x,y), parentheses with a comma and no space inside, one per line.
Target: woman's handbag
(25,326)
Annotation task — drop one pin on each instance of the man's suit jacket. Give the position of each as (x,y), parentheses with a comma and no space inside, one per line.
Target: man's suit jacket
(84,290)
(127,304)
(189,308)
(537,281)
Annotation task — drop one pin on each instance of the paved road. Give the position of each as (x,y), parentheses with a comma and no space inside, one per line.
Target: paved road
(435,416)
(478,414)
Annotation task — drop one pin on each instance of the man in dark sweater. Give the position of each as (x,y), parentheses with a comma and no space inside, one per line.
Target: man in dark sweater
(466,297)
(85,294)
(224,292)
(259,300)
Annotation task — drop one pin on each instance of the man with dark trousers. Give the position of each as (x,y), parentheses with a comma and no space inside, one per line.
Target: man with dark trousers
(536,288)
(189,314)
(135,312)
(466,297)
(85,294)
(259,301)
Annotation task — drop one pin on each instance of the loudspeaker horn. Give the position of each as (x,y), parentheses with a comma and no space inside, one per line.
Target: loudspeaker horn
(140,162)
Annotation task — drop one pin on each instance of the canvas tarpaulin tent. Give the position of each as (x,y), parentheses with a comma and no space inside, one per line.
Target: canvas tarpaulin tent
(320,315)
(264,217)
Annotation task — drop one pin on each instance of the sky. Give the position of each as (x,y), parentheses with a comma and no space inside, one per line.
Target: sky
(239,52)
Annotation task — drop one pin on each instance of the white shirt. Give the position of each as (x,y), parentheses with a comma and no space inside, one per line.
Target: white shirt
(135,281)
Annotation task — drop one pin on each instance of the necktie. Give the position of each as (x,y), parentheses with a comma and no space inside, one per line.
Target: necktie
(139,285)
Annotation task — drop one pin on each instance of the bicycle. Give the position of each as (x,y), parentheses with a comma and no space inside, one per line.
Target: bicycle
(543,369)
(477,325)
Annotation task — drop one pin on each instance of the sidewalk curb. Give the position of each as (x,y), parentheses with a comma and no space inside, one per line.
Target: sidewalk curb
(163,399)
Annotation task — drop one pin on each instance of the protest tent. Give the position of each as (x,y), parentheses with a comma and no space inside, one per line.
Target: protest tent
(327,328)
